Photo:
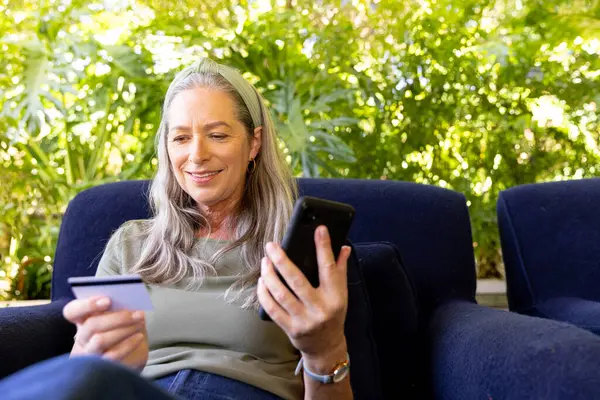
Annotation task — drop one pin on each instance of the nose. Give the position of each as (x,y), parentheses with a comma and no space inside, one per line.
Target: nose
(198,151)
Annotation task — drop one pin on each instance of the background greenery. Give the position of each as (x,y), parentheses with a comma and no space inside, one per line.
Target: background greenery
(472,95)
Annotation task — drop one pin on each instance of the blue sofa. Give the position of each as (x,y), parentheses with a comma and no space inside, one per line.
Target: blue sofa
(414,329)
(550,234)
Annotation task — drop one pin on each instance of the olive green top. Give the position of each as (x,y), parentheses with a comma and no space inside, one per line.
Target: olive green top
(198,329)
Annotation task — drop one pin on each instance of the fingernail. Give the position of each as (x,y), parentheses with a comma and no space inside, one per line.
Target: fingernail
(323,232)
(138,315)
(263,264)
(271,247)
(103,302)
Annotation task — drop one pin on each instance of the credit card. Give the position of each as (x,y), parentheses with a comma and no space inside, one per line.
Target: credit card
(127,292)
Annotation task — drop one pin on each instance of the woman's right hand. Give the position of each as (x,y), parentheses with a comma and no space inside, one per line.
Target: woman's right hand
(116,335)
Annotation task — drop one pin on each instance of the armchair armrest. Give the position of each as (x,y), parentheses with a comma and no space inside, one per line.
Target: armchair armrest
(32,334)
(480,353)
(580,312)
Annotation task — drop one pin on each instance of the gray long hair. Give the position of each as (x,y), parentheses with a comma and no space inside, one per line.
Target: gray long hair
(266,208)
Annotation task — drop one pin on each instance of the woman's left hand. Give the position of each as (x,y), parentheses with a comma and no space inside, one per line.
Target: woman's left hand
(313,318)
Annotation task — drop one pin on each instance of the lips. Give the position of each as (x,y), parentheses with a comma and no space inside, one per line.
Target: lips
(204,177)
(203,174)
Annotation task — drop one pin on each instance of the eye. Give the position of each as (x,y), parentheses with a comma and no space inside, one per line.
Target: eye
(179,139)
(218,136)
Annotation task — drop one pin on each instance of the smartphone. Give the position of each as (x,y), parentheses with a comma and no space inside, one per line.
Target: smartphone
(299,240)
(127,292)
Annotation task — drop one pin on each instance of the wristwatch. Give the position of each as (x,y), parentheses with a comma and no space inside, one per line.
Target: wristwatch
(340,371)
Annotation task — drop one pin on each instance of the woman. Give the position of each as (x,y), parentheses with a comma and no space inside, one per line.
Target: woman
(221,198)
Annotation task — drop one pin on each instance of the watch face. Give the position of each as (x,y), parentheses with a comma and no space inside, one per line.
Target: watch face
(341,373)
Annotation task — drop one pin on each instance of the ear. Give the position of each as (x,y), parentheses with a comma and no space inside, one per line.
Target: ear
(255,143)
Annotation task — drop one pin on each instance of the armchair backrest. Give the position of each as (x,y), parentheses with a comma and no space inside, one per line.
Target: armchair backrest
(550,234)
(429,225)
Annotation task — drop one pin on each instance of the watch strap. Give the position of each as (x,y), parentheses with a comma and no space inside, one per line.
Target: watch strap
(327,379)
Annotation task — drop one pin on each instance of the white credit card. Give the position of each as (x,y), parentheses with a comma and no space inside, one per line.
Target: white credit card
(127,292)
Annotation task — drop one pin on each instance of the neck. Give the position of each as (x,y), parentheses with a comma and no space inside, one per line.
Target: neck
(219,229)
(220,219)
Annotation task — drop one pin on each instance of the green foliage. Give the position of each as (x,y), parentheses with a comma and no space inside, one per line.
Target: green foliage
(473,95)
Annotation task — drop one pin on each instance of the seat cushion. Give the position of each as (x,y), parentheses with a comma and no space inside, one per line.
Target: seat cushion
(382,295)
(364,376)
(580,312)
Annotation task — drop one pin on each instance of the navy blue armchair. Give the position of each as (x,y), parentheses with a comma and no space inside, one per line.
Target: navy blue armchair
(414,247)
(550,235)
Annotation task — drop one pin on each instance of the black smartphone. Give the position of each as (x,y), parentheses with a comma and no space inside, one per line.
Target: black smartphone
(299,240)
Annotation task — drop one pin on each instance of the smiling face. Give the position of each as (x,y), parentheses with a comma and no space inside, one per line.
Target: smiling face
(209,148)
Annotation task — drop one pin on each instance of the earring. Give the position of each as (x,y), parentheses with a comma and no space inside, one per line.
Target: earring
(251,166)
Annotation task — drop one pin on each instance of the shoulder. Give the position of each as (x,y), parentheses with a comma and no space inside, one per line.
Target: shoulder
(123,247)
(132,229)
(130,234)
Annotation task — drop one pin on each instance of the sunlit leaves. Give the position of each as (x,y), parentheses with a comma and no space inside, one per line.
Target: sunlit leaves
(474,95)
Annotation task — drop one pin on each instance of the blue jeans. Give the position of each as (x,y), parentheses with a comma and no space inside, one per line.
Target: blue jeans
(93,378)
(196,385)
